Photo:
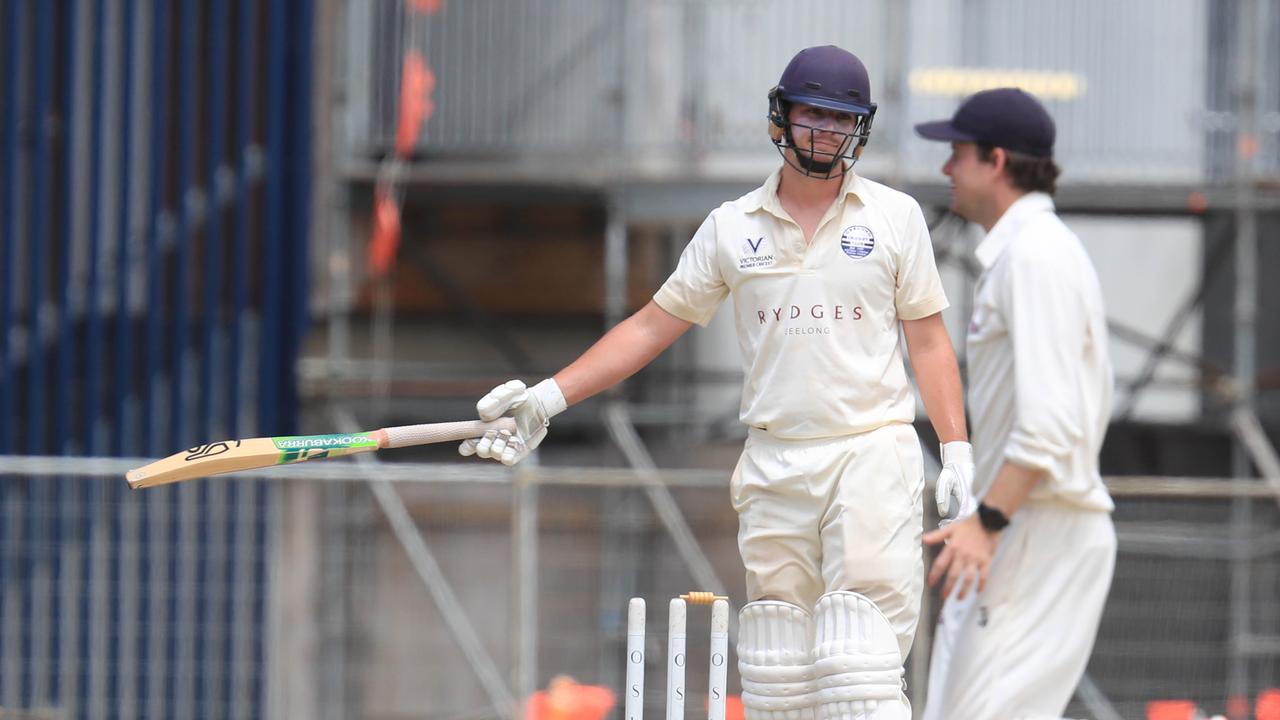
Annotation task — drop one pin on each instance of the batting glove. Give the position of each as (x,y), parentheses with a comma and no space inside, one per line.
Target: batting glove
(532,409)
(954,490)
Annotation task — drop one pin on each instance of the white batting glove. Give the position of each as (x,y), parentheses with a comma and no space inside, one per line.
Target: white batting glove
(954,489)
(532,409)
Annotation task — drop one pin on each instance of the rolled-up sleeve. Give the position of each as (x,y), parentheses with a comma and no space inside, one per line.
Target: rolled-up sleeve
(697,288)
(919,290)
(1048,325)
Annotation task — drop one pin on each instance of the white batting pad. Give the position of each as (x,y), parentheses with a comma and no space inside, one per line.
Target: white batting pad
(775,660)
(856,661)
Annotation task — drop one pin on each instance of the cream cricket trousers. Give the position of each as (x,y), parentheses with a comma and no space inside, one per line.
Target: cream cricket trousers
(844,513)
(1018,649)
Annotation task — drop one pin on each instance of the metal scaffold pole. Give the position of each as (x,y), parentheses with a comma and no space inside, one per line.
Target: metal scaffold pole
(1245,322)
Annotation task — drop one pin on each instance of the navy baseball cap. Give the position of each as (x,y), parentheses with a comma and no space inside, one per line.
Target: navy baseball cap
(1009,118)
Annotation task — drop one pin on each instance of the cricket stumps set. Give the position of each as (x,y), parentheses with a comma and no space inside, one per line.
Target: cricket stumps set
(717,680)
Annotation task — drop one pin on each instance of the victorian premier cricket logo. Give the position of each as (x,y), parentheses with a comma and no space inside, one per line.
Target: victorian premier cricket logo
(756,253)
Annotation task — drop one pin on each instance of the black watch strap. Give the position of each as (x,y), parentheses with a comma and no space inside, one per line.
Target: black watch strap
(991,518)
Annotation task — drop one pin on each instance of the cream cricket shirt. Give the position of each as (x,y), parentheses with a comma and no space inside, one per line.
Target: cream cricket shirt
(817,325)
(1040,377)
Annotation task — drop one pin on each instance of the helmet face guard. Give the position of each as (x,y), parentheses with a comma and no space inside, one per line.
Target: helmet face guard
(812,161)
(826,77)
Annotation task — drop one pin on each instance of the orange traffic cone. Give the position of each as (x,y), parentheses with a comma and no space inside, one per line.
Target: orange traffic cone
(565,699)
(1171,710)
(1268,706)
(733,708)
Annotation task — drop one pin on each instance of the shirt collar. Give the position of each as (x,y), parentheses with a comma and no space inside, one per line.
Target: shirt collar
(1007,227)
(766,198)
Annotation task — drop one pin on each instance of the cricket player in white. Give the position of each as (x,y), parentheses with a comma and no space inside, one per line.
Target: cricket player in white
(827,271)
(1040,385)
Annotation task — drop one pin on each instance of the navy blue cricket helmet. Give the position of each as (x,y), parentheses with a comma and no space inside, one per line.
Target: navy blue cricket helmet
(827,77)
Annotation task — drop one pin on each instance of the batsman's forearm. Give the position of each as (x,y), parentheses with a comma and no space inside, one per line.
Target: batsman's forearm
(629,346)
(938,376)
(614,358)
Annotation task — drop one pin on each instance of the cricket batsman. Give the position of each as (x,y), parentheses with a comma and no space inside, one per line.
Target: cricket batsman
(827,272)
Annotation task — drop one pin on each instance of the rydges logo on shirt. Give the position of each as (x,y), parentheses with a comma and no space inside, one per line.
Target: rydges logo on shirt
(755,254)
(795,318)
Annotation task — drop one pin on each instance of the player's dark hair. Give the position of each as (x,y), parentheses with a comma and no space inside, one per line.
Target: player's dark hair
(1027,172)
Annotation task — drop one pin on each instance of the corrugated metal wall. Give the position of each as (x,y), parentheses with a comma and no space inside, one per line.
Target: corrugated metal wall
(153,229)
(621,81)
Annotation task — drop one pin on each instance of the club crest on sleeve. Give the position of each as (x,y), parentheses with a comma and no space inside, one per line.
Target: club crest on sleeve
(857,241)
(755,253)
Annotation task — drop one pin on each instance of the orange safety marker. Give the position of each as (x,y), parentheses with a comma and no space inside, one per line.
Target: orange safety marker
(733,709)
(1268,706)
(426,7)
(385,240)
(1171,710)
(417,82)
(416,85)
(565,699)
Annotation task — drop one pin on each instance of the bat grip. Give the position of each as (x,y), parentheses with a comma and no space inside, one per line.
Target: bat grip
(406,435)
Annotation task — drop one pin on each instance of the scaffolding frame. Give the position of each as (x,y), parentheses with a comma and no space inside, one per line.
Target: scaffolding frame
(625,198)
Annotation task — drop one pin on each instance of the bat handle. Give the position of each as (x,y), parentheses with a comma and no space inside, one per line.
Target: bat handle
(406,435)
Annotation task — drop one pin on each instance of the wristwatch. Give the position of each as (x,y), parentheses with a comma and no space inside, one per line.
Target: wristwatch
(991,518)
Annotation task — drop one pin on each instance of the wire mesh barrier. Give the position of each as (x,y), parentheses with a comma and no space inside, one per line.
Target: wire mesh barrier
(1172,629)
(457,591)
(118,604)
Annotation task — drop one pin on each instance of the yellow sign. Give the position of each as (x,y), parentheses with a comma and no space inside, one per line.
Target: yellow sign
(960,82)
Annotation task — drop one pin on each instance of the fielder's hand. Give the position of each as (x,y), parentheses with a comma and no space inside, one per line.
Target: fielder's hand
(532,409)
(954,489)
(966,556)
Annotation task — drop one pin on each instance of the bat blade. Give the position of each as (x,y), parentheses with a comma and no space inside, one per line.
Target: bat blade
(251,454)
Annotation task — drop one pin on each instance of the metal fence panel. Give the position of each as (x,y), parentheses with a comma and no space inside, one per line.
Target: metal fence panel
(308,558)
(1143,64)
(120,604)
(678,87)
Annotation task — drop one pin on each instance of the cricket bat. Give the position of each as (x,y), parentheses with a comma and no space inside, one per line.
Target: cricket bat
(255,453)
